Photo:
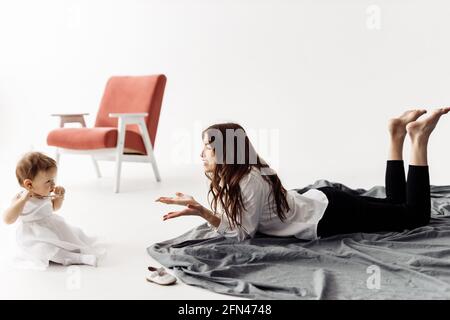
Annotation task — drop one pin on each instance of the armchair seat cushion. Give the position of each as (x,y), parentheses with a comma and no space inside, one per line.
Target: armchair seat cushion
(94,138)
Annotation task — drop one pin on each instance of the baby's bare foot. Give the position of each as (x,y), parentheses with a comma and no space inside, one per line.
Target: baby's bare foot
(397,126)
(421,129)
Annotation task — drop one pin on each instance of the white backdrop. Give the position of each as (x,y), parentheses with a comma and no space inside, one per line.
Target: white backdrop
(320,78)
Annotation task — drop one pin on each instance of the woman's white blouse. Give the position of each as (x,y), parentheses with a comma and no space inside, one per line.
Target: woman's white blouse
(260,212)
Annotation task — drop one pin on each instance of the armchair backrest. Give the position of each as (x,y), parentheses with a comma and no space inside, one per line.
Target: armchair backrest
(133,94)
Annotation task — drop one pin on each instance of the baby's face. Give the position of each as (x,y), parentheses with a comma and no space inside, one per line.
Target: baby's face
(44,183)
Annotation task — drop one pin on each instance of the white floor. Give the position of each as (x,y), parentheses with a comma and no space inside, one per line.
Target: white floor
(127,223)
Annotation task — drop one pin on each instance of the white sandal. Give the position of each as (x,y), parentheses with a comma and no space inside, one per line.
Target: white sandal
(160,276)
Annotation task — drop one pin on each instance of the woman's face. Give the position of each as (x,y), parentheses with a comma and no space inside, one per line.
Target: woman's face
(207,155)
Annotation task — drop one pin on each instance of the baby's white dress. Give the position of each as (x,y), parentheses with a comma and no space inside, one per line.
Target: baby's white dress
(43,236)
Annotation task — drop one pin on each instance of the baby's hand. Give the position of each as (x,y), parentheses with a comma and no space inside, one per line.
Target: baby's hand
(59,191)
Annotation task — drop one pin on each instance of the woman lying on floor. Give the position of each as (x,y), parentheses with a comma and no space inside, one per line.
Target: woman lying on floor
(247,196)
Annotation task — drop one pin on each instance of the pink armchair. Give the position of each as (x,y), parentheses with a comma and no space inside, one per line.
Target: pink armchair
(125,128)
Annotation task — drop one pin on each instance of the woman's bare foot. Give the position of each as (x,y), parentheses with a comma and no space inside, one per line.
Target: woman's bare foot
(397,126)
(420,130)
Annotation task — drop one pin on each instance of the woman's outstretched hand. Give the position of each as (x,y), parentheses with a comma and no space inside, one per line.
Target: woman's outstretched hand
(193,207)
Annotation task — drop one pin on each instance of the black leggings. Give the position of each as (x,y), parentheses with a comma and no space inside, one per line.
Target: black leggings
(407,204)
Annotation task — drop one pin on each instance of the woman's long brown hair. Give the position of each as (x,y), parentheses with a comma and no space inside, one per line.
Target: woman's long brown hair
(234,160)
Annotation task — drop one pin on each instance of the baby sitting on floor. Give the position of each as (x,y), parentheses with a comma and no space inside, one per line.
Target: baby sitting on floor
(43,236)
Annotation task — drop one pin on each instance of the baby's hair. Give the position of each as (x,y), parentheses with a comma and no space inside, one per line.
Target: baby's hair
(31,164)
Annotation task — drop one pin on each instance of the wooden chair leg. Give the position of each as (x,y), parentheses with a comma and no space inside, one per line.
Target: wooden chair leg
(119,153)
(57,157)
(97,169)
(118,172)
(149,149)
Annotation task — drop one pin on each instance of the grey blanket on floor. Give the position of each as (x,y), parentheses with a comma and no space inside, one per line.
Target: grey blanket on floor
(412,264)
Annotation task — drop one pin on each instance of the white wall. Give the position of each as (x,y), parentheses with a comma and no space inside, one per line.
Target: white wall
(316,71)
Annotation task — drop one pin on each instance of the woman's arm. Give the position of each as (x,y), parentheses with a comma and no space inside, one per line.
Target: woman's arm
(15,209)
(220,224)
(193,208)
(209,216)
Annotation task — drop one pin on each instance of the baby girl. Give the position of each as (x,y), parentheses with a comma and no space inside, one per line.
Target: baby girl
(43,236)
